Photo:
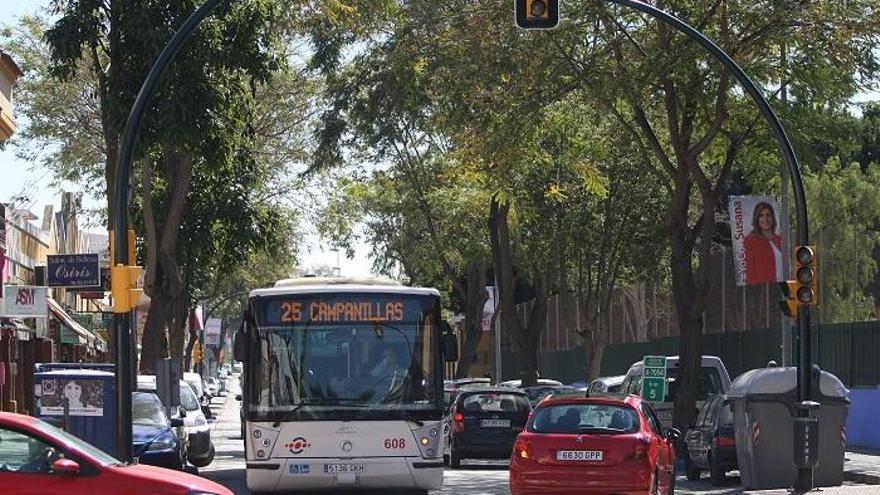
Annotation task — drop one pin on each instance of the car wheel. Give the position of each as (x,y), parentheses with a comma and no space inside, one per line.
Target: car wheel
(204,461)
(690,471)
(454,458)
(716,473)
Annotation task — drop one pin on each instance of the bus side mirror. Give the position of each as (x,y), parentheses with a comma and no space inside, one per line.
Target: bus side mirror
(239,345)
(450,343)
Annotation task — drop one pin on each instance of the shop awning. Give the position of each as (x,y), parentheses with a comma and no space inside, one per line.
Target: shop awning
(72,325)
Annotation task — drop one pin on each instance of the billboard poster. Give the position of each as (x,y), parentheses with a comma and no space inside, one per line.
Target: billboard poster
(488,310)
(212,331)
(757,243)
(83,397)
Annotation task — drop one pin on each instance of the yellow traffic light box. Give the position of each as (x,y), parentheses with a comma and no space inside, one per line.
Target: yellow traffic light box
(537,14)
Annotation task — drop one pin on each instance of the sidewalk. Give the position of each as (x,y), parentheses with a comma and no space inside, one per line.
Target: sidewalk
(861,466)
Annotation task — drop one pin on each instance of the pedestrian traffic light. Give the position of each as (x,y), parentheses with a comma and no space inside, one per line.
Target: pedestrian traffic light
(537,14)
(789,304)
(124,279)
(197,353)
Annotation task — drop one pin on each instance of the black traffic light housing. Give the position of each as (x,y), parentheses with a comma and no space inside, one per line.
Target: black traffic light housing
(806,275)
(803,290)
(537,14)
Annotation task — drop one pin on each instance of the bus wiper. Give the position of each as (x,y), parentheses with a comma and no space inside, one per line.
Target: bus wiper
(288,415)
(409,417)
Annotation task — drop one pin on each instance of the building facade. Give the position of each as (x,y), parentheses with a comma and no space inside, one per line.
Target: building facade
(9,74)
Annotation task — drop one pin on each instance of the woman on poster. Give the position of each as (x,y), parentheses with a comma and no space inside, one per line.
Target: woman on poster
(763,247)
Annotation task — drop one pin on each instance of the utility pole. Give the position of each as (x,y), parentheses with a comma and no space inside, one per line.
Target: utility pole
(785,323)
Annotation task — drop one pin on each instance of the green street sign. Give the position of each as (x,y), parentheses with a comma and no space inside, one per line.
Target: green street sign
(654,389)
(655,362)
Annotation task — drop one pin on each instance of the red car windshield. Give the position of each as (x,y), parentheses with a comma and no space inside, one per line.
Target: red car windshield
(584,418)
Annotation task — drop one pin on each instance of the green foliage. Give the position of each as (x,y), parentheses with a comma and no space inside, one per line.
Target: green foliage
(62,130)
(845,215)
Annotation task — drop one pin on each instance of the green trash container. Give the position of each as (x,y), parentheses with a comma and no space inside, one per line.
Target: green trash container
(764,407)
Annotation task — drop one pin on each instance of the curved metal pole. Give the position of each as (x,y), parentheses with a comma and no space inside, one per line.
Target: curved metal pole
(752,89)
(804,376)
(122,321)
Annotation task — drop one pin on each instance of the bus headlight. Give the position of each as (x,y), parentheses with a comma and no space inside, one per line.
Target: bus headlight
(425,441)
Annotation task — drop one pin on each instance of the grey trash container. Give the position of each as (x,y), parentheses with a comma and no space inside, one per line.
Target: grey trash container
(763,402)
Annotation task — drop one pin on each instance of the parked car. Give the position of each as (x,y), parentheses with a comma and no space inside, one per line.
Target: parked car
(714,380)
(198,385)
(483,421)
(608,444)
(156,442)
(39,459)
(200,447)
(606,385)
(538,393)
(211,386)
(518,383)
(711,444)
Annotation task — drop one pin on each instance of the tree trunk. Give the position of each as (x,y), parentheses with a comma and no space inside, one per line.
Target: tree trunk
(475,298)
(163,281)
(154,342)
(684,289)
(595,351)
(526,338)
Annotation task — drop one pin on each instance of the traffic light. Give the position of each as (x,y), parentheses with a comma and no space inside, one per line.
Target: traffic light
(124,279)
(197,353)
(806,275)
(803,290)
(537,14)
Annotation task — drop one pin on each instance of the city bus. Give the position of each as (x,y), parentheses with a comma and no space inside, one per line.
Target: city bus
(343,385)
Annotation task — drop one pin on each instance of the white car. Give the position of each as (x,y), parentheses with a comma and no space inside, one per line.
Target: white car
(200,448)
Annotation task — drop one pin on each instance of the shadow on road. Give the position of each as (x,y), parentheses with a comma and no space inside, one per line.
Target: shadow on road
(479,467)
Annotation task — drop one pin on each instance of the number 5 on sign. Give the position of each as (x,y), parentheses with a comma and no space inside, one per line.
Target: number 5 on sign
(654,389)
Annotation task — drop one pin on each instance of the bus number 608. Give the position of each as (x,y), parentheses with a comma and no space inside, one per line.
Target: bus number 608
(395,443)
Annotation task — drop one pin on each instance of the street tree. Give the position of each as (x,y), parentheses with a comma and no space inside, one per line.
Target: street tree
(202,128)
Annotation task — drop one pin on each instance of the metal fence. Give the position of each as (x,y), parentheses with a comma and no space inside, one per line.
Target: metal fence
(848,350)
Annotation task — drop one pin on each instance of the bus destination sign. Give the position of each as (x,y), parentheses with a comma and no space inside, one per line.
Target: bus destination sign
(360,308)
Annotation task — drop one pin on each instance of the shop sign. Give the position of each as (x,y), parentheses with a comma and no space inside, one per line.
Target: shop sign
(73,270)
(25,301)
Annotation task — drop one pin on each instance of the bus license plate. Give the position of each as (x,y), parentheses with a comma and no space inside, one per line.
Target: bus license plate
(344,468)
(579,455)
(495,423)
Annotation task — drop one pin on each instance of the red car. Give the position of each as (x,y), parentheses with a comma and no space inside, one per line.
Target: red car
(593,445)
(38,459)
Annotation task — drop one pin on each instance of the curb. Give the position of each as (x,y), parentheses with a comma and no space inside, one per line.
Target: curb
(863,478)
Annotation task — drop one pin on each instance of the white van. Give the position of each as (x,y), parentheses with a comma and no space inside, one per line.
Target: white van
(713,380)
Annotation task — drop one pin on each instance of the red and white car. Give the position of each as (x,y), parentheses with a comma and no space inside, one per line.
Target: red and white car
(38,459)
(593,445)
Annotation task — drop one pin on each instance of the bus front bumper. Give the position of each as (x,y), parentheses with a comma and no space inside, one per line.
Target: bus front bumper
(335,474)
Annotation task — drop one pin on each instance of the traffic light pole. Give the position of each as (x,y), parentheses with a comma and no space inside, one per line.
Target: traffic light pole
(805,474)
(122,320)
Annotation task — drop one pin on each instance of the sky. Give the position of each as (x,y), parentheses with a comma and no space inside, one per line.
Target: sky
(19,178)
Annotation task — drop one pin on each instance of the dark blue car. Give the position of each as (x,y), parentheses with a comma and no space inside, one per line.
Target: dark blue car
(156,441)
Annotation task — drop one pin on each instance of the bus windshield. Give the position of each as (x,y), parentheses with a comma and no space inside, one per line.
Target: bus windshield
(328,356)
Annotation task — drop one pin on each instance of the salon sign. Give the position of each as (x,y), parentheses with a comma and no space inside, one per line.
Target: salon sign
(24,301)
(73,270)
